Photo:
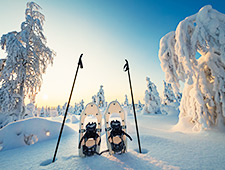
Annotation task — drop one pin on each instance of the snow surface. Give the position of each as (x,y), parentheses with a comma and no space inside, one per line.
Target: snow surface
(162,147)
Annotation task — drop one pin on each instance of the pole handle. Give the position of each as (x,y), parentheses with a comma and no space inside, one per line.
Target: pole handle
(126,66)
(80,61)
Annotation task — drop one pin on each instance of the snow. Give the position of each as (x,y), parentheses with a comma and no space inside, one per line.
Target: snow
(163,147)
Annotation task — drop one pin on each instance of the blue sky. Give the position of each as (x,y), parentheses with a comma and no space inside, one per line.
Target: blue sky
(107,32)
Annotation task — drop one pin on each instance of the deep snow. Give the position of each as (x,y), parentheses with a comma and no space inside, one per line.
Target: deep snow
(162,147)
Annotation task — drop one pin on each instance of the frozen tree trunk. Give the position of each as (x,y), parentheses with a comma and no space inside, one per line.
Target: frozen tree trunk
(203,98)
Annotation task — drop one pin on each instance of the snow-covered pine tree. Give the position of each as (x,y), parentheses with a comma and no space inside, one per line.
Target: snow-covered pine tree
(168,94)
(127,107)
(126,103)
(64,108)
(47,111)
(139,105)
(80,107)
(30,108)
(203,100)
(75,108)
(42,112)
(27,59)
(59,110)
(35,112)
(101,98)
(152,99)
(94,99)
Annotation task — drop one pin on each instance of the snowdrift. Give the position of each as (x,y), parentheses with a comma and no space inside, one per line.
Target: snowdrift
(29,131)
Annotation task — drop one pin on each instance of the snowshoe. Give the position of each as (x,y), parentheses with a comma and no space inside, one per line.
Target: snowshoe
(90,135)
(116,129)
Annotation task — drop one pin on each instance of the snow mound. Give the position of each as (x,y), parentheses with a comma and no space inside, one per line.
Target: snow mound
(29,131)
(185,126)
(74,119)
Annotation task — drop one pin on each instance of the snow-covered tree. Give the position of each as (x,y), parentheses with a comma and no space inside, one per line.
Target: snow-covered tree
(42,112)
(80,107)
(168,95)
(127,107)
(27,59)
(75,108)
(59,110)
(152,99)
(94,99)
(139,105)
(47,111)
(101,98)
(64,108)
(126,103)
(203,98)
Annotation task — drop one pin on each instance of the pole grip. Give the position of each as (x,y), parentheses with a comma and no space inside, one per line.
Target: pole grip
(126,66)
(80,61)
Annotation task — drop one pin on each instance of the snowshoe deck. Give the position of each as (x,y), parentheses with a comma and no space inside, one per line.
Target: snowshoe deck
(116,139)
(90,134)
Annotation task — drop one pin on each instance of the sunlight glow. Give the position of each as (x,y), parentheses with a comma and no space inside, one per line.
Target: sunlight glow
(45,97)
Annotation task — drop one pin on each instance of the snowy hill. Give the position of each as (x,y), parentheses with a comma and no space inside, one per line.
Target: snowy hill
(162,147)
(29,131)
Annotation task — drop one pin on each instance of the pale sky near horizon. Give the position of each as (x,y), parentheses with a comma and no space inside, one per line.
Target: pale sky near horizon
(106,32)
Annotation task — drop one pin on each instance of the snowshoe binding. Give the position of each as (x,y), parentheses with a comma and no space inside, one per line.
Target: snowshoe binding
(115,129)
(90,136)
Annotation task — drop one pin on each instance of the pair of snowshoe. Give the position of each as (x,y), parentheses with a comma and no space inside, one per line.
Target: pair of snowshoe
(90,134)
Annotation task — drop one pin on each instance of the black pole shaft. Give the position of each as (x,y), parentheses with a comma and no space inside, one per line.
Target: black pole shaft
(67,107)
(135,118)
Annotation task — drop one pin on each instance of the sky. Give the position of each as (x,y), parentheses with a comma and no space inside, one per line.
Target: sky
(107,32)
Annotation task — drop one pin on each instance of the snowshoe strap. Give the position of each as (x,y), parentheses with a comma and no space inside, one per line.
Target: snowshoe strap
(98,130)
(127,135)
(108,129)
(79,146)
(118,148)
(82,130)
(99,154)
(104,151)
(89,151)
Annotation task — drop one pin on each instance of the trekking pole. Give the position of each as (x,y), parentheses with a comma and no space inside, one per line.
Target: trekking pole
(80,64)
(126,68)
